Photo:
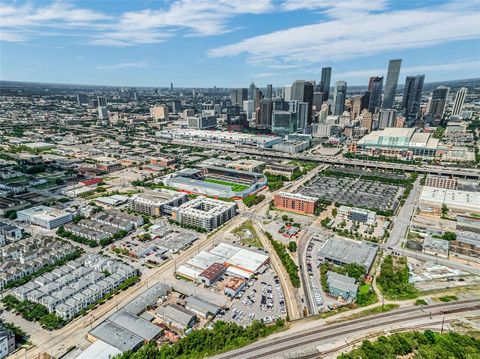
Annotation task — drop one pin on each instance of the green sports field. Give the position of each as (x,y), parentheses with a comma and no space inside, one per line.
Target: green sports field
(236,187)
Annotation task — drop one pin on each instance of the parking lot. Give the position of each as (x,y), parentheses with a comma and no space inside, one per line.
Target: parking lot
(323,301)
(354,192)
(262,299)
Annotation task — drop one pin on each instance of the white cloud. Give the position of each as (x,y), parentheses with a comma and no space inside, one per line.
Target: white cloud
(344,36)
(125,65)
(190,17)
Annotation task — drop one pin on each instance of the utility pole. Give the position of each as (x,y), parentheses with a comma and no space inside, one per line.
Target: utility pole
(443,322)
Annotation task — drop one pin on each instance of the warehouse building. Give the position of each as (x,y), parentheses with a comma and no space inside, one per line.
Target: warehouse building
(456,200)
(45,217)
(239,262)
(177,316)
(342,251)
(203,212)
(157,202)
(340,285)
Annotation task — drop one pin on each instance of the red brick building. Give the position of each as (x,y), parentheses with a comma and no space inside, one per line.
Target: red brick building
(295,202)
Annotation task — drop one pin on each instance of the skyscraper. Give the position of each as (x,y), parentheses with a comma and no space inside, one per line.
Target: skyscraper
(412,95)
(265,120)
(298,89)
(102,101)
(300,108)
(375,86)
(359,103)
(324,85)
(287,93)
(459,100)
(302,91)
(269,92)
(251,91)
(392,82)
(284,122)
(339,98)
(81,99)
(438,101)
(238,96)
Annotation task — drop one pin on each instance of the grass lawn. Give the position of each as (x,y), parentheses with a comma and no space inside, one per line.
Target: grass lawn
(236,187)
(376,310)
(254,241)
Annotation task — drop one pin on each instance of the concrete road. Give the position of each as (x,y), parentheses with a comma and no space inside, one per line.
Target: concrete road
(404,216)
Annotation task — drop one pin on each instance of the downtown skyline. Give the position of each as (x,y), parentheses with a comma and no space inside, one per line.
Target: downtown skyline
(206,44)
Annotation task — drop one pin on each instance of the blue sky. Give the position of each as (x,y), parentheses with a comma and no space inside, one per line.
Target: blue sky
(229,43)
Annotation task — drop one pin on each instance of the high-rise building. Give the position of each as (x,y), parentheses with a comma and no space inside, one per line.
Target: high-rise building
(265,120)
(412,95)
(81,99)
(249,108)
(176,106)
(339,98)
(375,86)
(302,91)
(459,100)
(386,118)
(392,82)
(102,101)
(252,91)
(160,113)
(324,85)
(238,96)
(287,93)
(359,104)
(298,89)
(284,122)
(171,86)
(300,108)
(269,92)
(317,102)
(102,113)
(438,101)
(308,98)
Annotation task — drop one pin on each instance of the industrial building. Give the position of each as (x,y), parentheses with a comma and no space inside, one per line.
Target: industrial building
(238,261)
(402,143)
(203,212)
(177,316)
(344,251)
(45,217)
(340,285)
(295,202)
(436,247)
(157,202)
(433,198)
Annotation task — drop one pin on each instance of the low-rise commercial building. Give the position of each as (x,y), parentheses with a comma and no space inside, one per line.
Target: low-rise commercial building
(441,182)
(357,214)
(45,217)
(456,200)
(436,247)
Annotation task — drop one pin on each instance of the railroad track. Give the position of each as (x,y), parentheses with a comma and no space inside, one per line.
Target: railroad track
(297,339)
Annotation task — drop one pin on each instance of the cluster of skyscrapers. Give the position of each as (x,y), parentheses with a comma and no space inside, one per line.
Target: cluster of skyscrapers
(295,107)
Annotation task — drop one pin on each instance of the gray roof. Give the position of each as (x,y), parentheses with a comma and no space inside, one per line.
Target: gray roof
(117,336)
(348,251)
(177,314)
(341,282)
(135,324)
(201,306)
(147,298)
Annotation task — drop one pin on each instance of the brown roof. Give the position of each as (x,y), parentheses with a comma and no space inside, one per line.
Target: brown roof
(213,271)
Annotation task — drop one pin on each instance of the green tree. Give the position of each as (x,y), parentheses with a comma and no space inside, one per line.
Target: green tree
(292,246)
